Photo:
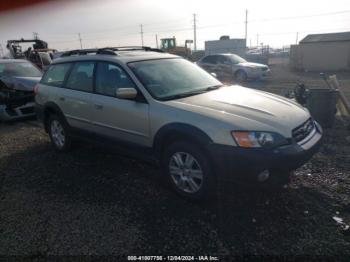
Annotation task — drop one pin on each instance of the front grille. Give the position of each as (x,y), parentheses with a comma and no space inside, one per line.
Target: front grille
(301,132)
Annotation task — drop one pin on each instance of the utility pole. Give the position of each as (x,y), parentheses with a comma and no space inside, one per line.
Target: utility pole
(157,41)
(296,41)
(195,32)
(257,40)
(35,35)
(81,44)
(246,25)
(141,32)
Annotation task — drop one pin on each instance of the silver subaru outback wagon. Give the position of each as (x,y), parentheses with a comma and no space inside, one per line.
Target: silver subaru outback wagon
(165,109)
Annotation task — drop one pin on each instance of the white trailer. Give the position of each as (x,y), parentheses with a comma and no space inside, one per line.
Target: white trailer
(235,46)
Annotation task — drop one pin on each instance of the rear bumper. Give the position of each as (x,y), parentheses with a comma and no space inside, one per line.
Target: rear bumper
(243,165)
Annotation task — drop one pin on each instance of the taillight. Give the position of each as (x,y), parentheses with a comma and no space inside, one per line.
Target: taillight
(36,89)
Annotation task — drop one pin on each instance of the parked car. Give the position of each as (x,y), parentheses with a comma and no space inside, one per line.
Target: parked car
(165,109)
(17,80)
(233,66)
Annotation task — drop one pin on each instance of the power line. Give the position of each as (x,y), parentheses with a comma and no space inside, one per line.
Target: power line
(1,51)
(217,25)
(81,45)
(301,16)
(246,25)
(195,27)
(141,35)
(194,32)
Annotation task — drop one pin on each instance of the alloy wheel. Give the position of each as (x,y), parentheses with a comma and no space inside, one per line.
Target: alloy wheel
(186,172)
(57,133)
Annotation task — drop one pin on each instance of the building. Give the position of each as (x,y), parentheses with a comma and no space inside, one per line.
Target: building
(322,52)
(225,45)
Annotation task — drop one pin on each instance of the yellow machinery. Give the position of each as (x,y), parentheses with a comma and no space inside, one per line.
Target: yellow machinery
(169,45)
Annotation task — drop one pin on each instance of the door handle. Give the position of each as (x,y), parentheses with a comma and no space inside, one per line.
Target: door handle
(98,106)
(62,99)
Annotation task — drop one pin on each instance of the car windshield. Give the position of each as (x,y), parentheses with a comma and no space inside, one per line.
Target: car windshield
(237,59)
(23,69)
(174,78)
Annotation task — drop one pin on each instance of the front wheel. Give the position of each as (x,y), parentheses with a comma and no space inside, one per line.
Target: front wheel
(189,170)
(241,76)
(58,133)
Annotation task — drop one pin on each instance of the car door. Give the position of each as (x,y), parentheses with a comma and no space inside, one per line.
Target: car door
(74,97)
(224,66)
(120,119)
(209,63)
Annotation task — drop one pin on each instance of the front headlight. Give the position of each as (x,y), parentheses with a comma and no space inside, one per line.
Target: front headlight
(253,139)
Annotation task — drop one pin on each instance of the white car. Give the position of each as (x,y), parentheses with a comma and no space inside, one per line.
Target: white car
(163,108)
(233,66)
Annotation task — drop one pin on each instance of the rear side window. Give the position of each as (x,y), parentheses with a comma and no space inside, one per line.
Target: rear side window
(209,59)
(56,74)
(81,77)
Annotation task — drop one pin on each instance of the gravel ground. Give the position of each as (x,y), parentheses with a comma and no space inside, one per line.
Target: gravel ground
(90,202)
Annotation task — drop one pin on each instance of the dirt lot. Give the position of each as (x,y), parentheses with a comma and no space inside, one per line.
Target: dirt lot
(91,202)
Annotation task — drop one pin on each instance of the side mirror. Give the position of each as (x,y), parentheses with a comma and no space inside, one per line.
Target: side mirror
(214,75)
(126,93)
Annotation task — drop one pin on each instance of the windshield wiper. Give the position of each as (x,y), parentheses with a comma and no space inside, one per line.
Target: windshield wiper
(182,95)
(192,93)
(214,87)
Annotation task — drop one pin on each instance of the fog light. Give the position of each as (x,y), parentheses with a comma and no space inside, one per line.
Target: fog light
(263,176)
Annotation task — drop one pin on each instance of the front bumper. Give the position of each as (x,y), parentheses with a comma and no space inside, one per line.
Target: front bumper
(8,113)
(243,165)
(259,74)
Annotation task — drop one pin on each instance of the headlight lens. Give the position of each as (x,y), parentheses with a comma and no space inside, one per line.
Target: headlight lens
(253,139)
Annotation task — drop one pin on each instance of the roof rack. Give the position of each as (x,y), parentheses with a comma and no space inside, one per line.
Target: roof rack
(109,50)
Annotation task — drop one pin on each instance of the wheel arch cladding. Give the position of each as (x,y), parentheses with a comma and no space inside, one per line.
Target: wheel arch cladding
(173,131)
(52,108)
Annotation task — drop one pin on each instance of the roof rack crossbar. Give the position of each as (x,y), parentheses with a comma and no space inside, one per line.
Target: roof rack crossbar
(110,50)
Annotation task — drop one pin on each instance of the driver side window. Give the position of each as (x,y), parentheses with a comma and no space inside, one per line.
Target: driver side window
(110,77)
(223,60)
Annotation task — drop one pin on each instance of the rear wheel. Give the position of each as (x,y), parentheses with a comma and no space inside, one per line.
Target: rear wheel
(58,133)
(189,170)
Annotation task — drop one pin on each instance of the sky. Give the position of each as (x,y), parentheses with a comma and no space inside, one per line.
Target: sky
(117,22)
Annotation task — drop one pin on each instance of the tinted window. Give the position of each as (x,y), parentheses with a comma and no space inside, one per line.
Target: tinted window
(209,59)
(56,74)
(223,60)
(24,69)
(81,76)
(109,78)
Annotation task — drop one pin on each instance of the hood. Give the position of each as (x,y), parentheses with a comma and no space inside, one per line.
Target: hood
(247,109)
(252,65)
(25,83)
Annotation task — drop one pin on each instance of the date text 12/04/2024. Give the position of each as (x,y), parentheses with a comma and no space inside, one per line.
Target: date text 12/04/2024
(173,258)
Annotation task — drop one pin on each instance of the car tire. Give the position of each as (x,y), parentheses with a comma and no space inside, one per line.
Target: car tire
(59,134)
(188,170)
(241,76)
